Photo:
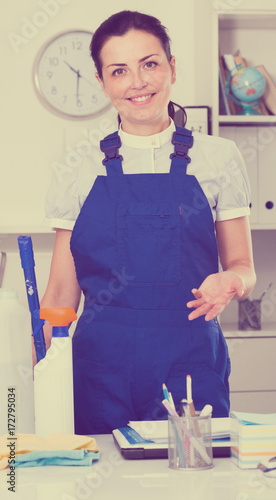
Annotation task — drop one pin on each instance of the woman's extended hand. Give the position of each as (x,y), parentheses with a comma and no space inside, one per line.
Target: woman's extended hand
(215,293)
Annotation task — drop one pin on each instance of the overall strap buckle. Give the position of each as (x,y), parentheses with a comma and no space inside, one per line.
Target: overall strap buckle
(182,140)
(110,147)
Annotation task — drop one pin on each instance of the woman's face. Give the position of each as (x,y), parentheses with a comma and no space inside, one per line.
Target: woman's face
(137,77)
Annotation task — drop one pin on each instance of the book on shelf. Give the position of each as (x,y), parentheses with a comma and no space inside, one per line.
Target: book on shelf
(269,95)
(239,60)
(226,105)
(229,62)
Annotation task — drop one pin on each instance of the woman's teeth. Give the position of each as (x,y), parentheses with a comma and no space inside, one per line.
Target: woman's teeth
(141,98)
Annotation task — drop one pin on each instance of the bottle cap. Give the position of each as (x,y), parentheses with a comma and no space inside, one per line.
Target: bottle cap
(58,316)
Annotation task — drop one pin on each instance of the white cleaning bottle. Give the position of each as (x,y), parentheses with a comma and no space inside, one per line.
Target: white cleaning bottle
(53,376)
(16,368)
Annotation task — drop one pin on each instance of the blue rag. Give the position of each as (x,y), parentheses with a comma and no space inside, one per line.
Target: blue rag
(56,457)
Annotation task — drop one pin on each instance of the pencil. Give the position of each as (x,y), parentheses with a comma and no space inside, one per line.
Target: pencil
(165,392)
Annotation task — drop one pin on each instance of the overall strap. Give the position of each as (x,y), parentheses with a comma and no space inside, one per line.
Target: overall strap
(110,147)
(182,140)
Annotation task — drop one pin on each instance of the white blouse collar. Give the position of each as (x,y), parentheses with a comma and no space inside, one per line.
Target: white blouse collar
(149,141)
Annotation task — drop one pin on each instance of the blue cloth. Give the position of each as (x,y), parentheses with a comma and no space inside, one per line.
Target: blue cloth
(140,244)
(56,457)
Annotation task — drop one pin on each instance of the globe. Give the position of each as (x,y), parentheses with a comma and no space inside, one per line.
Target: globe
(247,86)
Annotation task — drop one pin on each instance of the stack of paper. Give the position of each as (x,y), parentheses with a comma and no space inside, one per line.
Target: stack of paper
(253,438)
(158,429)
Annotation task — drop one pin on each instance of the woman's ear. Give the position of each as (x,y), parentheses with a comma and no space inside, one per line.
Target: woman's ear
(172,63)
(100,80)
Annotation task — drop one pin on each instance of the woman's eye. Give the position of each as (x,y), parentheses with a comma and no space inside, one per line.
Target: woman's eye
(150,64)
(118,72)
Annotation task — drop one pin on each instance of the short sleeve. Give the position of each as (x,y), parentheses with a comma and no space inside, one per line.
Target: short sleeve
(234,188)
(72,179)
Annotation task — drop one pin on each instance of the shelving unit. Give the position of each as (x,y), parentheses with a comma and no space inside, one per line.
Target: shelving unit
(252,353)
(246,120)
(253,32)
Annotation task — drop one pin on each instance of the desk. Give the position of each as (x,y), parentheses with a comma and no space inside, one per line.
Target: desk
(115,477)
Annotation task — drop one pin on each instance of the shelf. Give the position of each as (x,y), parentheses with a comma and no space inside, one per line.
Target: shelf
(230,331)
(42,242)
(24,230)
(225,120)
(263,227)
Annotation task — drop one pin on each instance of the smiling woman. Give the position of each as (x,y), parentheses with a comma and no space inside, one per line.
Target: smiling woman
(141,227)
(144,59)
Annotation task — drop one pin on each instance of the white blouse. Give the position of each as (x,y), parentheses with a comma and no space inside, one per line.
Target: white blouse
(215,162)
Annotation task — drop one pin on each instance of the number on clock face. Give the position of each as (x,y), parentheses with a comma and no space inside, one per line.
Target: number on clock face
(64,76)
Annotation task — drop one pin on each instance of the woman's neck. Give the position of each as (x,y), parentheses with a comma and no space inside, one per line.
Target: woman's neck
(145,129)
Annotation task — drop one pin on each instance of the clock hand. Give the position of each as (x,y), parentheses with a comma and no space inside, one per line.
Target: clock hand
(75,71)
(78,73)
(78,83)
(78,77)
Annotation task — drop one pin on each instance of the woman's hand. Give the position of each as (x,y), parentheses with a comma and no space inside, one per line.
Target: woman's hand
(238,276)
(215,293)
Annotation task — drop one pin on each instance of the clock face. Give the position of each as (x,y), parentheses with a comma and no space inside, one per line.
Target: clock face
(64,77)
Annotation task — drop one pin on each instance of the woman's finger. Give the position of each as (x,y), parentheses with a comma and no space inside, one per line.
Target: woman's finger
(196,303)
(215,311)
(197,293)
(240,292)
(200,311)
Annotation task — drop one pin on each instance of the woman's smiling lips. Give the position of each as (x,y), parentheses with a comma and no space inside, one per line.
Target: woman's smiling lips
(140,99)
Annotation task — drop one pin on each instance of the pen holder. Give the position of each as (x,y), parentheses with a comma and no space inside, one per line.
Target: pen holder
(190,443)
(250,315)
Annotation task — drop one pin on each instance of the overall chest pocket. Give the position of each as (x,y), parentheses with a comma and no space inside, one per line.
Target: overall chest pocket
(149,243)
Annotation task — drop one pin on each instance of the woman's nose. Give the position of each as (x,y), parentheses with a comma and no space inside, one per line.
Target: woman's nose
(137,81)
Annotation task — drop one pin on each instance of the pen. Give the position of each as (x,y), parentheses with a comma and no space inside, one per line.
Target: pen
(189,396)
(171,401)
(190,403)
(265,292)
(184,412)
(168,396)
(207,410)
(183,408)
(171,411)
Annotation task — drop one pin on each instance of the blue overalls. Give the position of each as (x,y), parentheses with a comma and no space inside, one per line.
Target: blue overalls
(140,244)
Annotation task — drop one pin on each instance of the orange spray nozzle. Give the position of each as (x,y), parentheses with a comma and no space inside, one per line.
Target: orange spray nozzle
(58,316)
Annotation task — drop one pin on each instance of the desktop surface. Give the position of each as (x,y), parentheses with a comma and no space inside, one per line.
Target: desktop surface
(115,477)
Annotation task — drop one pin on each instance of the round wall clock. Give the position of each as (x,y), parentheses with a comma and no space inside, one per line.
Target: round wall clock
(64,76)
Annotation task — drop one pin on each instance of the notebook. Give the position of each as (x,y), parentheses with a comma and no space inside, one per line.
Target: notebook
(149,439)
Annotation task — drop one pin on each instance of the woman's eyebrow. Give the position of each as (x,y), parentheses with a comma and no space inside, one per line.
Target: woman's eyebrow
(144,58)
(140,60)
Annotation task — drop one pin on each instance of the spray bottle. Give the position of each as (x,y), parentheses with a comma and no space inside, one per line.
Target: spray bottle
(53,375)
